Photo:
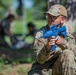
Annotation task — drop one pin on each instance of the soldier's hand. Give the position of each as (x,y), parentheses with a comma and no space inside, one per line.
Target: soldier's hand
(51,41)
(59,40)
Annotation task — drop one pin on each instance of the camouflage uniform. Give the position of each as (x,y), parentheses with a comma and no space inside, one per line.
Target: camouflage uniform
(61,62)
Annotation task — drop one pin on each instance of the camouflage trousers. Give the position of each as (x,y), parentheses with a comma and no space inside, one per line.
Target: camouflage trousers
(64,65)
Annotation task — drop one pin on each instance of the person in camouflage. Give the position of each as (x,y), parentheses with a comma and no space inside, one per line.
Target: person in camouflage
(62,60)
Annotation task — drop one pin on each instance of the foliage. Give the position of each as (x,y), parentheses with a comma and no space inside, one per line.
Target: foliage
(38,9)
(5,6)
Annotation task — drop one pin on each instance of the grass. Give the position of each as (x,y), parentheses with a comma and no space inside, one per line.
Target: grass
(20,69)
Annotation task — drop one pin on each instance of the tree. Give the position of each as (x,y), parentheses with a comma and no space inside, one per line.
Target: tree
(39,8)
(5,6)
(20,8)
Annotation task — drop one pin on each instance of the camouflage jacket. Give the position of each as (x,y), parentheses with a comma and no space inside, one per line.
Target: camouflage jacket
(42,55)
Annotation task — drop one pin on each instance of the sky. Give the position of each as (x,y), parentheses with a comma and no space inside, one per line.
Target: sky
(27,4)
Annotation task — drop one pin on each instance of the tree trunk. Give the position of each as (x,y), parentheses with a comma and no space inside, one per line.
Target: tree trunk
(20,9)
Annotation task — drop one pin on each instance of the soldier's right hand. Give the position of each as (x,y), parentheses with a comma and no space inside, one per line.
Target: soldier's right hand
(51,41)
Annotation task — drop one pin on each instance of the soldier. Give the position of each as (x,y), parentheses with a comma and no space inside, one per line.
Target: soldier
(31,32)
(62,60)
(5,29)
(31,28)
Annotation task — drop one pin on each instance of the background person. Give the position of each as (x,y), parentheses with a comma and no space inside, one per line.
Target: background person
(5,29)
